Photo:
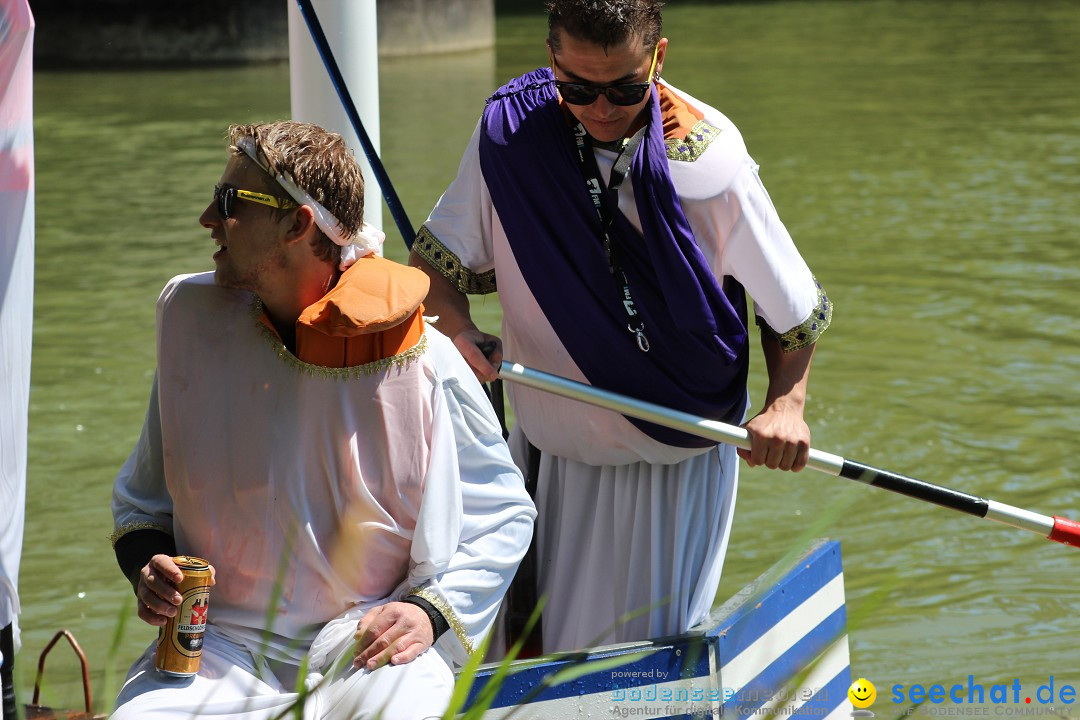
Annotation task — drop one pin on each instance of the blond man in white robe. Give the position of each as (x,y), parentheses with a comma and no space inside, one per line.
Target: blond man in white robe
(326,450)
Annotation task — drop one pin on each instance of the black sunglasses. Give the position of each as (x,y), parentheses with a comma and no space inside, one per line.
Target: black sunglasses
(226,196)
(578,94)
(622,94)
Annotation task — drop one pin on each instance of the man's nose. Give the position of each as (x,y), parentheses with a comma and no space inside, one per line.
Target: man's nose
(210,217)
(604,106)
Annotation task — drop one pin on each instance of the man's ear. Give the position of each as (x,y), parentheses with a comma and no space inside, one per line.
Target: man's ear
(302,225)
(660,53)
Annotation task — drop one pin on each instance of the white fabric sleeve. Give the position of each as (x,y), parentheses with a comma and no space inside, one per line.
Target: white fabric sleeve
(462,219)
(761,255)
(738,229)
(474,490)
(140,498)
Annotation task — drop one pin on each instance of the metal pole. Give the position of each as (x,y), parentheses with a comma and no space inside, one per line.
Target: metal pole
(1058,529)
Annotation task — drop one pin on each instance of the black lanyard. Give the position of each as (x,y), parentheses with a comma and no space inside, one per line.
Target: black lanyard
(595,185)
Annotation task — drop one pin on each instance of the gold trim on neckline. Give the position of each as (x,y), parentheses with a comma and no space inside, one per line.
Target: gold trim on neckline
(345,373)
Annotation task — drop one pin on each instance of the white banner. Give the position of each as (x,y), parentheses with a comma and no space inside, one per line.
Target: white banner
(16,285)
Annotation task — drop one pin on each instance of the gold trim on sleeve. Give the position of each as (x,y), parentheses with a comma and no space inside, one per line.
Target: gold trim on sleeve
(447,612)
(695,143)
(133,526)
(808,332)
(447,263)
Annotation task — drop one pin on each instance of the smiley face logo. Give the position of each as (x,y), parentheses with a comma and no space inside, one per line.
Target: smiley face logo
(862,693)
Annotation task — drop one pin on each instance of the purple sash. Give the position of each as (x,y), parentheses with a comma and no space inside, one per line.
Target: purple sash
(696,328)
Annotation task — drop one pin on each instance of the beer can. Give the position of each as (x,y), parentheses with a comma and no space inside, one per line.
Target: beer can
(180,640)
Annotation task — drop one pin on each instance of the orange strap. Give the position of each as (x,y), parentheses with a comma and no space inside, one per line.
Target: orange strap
(679,118)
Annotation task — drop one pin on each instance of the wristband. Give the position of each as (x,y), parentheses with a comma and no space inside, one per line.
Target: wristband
(439,625)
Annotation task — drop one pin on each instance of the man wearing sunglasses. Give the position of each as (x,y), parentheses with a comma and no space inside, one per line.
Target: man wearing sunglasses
(331,456)
(622,219)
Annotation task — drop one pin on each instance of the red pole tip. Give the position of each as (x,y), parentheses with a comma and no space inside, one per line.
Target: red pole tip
(1065,531)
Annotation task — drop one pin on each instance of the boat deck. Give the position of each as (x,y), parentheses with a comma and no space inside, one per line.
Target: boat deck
(777,648)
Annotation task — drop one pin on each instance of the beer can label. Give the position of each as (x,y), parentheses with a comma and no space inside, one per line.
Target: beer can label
(187,639)
(180,640)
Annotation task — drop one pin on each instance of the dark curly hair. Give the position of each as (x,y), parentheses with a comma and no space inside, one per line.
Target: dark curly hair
(605,22)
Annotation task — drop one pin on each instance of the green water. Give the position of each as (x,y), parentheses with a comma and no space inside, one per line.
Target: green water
(925,156)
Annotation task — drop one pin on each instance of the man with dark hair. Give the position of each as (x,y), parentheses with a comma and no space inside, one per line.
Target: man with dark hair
(606,24)
(331,456)
(622,220)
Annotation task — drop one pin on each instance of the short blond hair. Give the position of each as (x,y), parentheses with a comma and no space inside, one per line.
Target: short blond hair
(319,162)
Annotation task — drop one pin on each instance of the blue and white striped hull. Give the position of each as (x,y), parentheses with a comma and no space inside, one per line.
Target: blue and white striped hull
(777,648)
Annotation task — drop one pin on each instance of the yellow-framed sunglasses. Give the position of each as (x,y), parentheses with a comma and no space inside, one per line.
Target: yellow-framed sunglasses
(226,196)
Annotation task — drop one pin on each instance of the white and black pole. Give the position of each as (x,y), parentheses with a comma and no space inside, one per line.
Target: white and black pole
(1058,529)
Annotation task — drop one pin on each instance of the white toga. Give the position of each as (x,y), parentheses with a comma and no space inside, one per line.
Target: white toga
(317,493)
(626,522)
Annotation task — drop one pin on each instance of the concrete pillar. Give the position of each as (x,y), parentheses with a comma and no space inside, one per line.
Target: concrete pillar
(408,27)
(132,32)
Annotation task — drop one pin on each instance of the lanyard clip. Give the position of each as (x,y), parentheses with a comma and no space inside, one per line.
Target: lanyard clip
(639,332)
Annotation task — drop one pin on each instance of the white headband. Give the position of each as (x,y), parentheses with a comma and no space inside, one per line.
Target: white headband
(365,242)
